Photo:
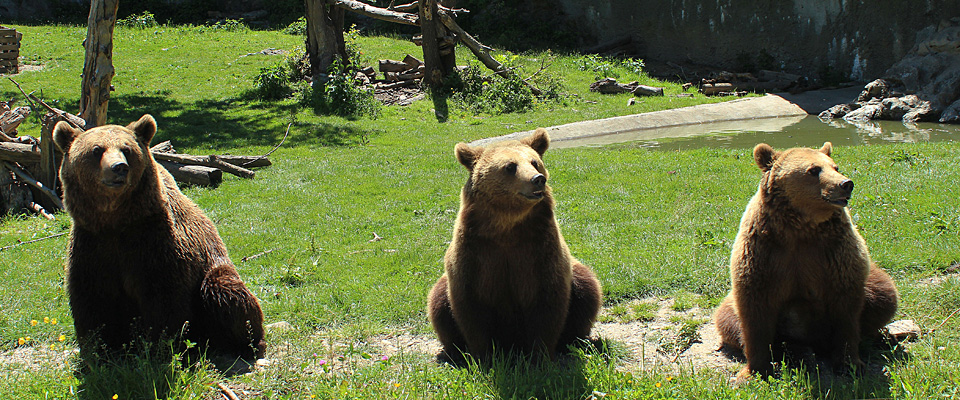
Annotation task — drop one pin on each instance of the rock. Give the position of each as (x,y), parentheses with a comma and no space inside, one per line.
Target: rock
(280,326)
(877,89)
(951,114)
(903,330)
(869,111)
(838,111)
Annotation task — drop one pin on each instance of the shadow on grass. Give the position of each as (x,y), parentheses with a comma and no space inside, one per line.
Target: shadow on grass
(231,123)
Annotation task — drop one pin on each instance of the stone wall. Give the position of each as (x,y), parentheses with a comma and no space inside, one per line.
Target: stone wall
(856,39)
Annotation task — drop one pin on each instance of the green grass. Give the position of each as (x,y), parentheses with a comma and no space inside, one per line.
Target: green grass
(649,223)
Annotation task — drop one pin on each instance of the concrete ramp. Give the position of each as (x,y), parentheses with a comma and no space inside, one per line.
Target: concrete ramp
(678,122)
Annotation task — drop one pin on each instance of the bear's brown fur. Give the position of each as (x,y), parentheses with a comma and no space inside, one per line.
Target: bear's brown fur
(800,271)
(143,258)
(510,281)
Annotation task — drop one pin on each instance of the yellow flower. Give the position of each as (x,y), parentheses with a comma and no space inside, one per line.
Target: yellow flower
(52,347)
(62,338)
(658,384)
(34,322)
(21,341)
(115,397)
(669,378)
(53,321)
(28,338)
(396,385)
(46,320)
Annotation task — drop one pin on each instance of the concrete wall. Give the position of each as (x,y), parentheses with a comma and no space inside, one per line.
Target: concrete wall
(857,39)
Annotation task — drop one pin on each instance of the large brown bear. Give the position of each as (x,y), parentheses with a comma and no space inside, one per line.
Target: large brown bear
(801,273)
(143,258)
(510,282)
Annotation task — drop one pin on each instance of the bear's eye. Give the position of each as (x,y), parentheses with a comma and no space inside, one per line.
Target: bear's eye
(535,164)
(126,153)
(815,171)
(511,168)
(97,151)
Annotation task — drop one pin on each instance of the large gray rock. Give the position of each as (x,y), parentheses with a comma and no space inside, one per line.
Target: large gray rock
(931,70)
(951,114)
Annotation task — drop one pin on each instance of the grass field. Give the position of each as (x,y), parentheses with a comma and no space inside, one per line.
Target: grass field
(649,223)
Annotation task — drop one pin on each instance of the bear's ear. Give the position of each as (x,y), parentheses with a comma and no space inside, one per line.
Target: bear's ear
(64,134)
(468,155)
(539,141)
(764,155)
(827,148)
(144,129)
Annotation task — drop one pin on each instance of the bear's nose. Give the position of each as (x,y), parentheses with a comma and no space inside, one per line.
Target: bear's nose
(847,185)
(120,168)
(539,180)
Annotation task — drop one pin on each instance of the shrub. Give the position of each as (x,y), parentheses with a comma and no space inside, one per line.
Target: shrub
(298,27)
(342,95)
(273,82)
(605,67)
(142,20)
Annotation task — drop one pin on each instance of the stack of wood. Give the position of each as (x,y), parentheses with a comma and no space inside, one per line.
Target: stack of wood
(29,166)
(397,74)
(728,83)
(10,119)
(9,50)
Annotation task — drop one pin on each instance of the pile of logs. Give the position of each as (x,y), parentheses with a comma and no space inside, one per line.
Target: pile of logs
(611,86)
(29,166)
(396,74)
(728,83)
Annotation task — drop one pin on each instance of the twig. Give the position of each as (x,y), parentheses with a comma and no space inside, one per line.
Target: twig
(945,320)
(258,255)
(26,96)
(59,113)
(271,150)
(227,392)
(543,66)
(33,182)
(31,241)
(376,238)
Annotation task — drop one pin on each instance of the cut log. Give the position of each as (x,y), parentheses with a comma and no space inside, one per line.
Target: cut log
(611,86)
(392,66)
(378,13)
(714,88)
(46,191)
(163,147)
(20,153)
(397,85)
(40,210)
(193,174)
(50,157)
(10,120)
(644,90)
(247,161)
(406,76)
(412,62)
(209,161)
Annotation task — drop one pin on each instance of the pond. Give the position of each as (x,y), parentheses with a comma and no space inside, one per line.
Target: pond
(781,132)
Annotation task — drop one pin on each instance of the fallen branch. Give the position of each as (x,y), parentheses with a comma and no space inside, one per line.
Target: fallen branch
(193,174)
(19,152)
(258,255)
(945,320)
(378,13)
(209,161)
(480,50)
(40,210)
(227,392)
(19,243)
(33,182)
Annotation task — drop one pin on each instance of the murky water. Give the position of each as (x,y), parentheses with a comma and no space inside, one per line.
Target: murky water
(782,132)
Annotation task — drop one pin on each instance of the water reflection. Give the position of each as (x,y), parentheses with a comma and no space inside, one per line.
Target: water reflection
(785,132)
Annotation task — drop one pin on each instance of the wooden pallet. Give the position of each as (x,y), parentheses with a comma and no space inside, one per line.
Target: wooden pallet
(9,50)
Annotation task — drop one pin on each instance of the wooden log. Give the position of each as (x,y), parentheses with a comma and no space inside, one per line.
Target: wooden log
(714,88)
(410,75)
(19,153)
(49,160)
(480,50)
(24,176)
(163,147)
(98,68)
(611,86)
(193,174)
(398,84)
(247,161)
(392,66)
(209,161)
(376,12)
(40,210)
(10,120)
(412,62)
(644,90)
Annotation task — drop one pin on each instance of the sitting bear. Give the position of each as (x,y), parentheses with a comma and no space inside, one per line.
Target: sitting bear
(510,282)
(143,258)
(800,271)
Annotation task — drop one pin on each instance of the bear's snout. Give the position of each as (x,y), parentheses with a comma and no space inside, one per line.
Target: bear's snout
(539,180)
(120,168)
(847,185)
(115,169)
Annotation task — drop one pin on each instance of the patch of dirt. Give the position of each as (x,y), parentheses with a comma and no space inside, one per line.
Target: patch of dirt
(33,359)
(399,96)
(952,273)
(26,68)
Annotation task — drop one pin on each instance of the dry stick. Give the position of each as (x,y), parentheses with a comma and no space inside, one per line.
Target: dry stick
(40,210)
(945,320)
(32,241)
(260,254)
(32,107)
(33,182)
(227,392)
(271,150)
(543,66)
(59,113)
(209,161)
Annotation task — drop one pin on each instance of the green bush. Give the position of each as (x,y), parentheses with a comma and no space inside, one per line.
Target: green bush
(298,27)
(341,94)
(273,82)
(142,20)
(492,94)
(605,67)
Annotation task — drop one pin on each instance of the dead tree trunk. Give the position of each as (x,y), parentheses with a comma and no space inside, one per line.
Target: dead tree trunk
(98,63)
(324,37)
(429,26)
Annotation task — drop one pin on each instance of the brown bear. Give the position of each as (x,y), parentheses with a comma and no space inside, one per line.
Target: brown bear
(510,282)
(143,258)
(800,271)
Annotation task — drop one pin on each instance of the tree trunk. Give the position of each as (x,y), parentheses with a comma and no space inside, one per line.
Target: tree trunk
(98,62)
(324,37)
(433,71)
